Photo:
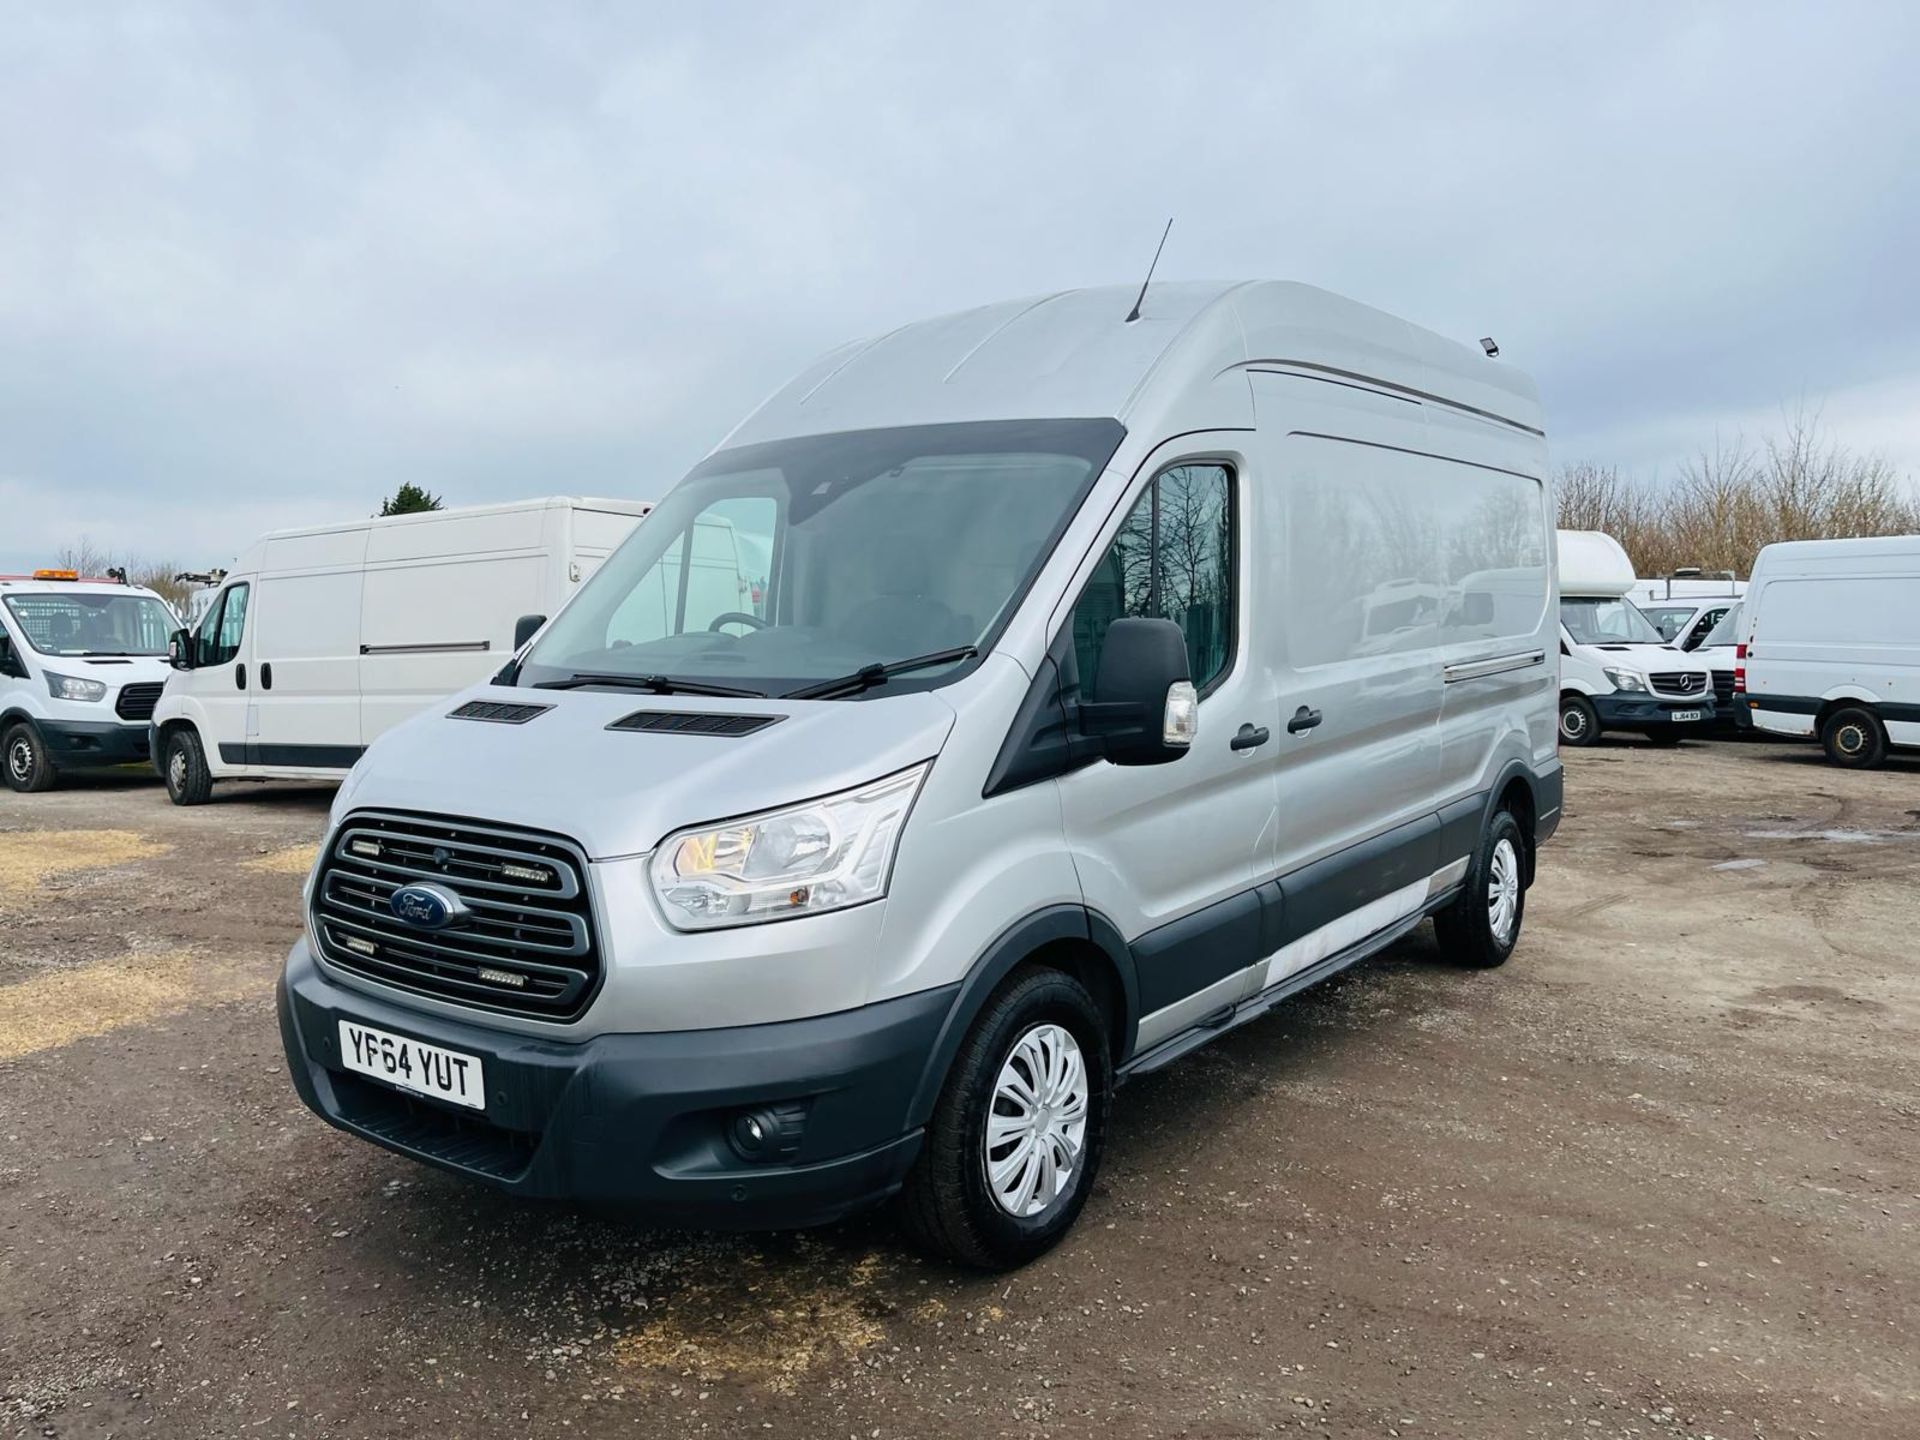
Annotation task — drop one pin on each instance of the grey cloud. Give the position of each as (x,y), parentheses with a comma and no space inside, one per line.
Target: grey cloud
(258,265)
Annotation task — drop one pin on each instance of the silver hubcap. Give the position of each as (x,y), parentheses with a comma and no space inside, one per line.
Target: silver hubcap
(1851,739)
(1503,890)
(20,759)
(1037,1124)
(1573,723)
(177,769)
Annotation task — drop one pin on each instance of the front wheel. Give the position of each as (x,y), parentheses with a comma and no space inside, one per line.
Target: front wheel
(24,757)
(1481,928)
(1854,737)
(188,781)
(1016,1138)
(1579,721)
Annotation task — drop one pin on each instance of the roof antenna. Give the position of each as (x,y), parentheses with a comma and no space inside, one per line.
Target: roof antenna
(1134,314)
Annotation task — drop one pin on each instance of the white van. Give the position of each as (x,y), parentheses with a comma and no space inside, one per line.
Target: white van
(81,665)
(1113,679)
(1833,645)
(1686,606)
(320,639)
(1616,671)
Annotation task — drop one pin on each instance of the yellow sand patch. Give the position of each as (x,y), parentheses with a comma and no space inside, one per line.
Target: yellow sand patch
(294,860)
(57,1009)
(769,1325)
(28,857)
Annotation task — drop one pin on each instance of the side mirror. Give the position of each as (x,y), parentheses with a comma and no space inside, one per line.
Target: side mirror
(1144,710)
(525,628)
(180,650)
(9,662)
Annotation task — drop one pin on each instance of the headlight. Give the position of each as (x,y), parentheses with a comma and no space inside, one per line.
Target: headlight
(71,687)
(824,855)
(1626,679)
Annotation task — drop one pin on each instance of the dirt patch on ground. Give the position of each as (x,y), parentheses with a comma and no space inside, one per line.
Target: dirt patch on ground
(1655,1177)
(28,858)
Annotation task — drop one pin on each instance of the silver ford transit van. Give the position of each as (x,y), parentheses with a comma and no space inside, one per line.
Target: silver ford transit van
(1088,684)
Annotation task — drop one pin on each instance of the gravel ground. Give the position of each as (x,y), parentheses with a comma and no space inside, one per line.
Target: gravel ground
(1657,1177)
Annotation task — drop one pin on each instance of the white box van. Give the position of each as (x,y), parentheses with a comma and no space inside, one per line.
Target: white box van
(1113,679)
(1686,606)
(1616,672)
(1833,644)
(320,639)
(81,665)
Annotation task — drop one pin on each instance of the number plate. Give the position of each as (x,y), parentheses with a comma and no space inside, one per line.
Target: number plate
(1679,715)
(410,1065)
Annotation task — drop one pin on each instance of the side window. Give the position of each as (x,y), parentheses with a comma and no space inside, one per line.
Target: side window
(1173,559)
(720,565)
(220,633)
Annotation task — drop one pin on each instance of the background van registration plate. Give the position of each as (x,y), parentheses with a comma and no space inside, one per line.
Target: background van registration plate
(1684,715)
(411,1065)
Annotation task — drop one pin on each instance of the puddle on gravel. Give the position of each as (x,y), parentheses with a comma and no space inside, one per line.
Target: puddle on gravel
(29,857)
(1835,837)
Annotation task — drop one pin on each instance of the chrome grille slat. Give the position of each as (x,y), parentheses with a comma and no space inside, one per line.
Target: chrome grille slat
(522,947)
(1685,684)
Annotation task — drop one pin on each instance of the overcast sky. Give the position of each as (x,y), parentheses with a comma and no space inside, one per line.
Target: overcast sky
(261,263)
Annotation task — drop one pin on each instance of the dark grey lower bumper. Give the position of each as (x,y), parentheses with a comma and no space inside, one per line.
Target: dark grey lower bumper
(1643,712)
(79,743)
(640,1120)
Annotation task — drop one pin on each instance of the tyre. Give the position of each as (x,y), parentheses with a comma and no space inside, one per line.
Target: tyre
(1666,735)
(24,759)
(1854,737)
(1579,721)
(1016,1137)
(1481,928)
(185,764)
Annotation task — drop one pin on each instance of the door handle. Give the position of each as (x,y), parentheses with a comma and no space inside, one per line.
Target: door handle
(1303,719)
(240,676)
(1248,737)
(266,675)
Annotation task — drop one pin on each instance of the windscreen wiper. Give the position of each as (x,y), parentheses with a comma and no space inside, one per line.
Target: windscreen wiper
(658,684)
(867,676)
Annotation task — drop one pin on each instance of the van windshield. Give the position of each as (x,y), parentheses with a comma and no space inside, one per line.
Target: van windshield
(1606,622)
(84,623)
(783,564)
(1727,632)
(1669,620)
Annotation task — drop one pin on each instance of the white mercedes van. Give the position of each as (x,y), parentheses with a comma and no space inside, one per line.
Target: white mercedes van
(319,639)
(1113,679)
(1616,671)
(81,665)
(1832,645)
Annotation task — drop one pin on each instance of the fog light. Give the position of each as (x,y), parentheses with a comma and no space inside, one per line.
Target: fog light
(768,1133)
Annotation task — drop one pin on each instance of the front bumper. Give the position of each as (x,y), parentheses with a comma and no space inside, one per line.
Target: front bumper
(74,743)
(1643,712)
(640,1121)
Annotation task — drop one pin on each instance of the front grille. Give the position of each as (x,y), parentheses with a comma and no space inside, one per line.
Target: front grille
(525,946)
(1723,687)
(1671,682)
(136,702)
(469,1142)
(695,722)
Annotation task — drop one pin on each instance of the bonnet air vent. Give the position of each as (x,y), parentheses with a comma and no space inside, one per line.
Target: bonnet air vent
(695,722)
(500,713)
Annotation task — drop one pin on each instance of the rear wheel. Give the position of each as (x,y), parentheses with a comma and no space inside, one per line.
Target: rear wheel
(24,759)
(1855,738)
(1016,1138)
(188,782)
(1579,721)
(1481,928)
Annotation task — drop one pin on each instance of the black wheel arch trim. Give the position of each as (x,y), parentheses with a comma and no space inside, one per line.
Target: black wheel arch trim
(1019,942)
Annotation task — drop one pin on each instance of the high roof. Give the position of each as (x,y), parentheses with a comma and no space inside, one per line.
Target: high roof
(1074,354)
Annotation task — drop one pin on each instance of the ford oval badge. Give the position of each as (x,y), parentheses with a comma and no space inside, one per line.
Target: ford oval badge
(426,907)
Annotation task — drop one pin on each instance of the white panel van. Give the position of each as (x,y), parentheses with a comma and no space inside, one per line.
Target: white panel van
(1833,644)
(1102,680)
(81,666)
(1616,671)
(318,640)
